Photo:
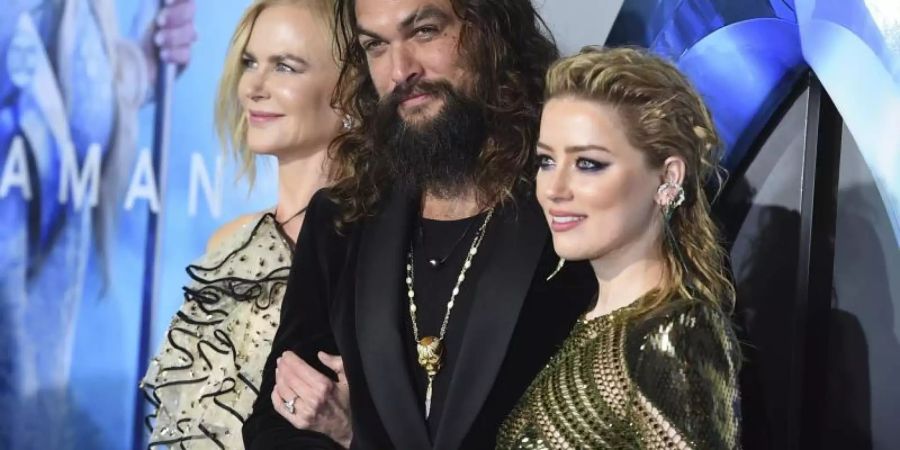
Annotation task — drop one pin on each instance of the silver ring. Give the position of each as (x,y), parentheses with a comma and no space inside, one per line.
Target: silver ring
(289,405)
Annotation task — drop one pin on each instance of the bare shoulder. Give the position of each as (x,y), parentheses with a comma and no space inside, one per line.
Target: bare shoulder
(228,229)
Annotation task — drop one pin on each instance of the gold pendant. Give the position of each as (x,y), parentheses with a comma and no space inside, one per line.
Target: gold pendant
(431,352)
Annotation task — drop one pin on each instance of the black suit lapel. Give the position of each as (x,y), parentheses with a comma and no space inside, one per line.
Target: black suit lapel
(520,235)
(379,330)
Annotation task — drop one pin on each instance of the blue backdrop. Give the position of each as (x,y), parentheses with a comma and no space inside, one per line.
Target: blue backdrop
(75,118)
(744,57)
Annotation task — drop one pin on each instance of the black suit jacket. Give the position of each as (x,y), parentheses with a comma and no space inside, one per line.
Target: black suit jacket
(345,293)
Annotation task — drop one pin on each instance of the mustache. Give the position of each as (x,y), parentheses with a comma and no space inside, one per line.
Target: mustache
(437,88)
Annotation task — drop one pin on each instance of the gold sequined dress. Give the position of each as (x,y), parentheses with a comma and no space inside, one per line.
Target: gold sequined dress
(203,381)
(666,379)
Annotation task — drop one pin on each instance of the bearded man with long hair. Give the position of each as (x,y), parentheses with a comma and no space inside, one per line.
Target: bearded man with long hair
(428,265)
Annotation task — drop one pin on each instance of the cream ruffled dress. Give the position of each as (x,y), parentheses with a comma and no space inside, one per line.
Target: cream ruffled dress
(206,375)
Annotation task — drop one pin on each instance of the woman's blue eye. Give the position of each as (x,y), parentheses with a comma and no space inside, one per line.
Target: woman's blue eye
(282,67)
(545,162)
(590,165)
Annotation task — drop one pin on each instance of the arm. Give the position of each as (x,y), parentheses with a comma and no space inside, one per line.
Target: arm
(304,330)
(684,364)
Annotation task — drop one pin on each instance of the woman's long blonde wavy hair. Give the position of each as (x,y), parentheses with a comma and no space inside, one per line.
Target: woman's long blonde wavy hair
(664,116)
(230,120)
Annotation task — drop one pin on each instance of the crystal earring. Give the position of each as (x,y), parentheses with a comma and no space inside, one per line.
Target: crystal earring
(672,195)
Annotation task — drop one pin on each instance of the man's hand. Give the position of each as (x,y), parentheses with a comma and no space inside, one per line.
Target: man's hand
(316,402)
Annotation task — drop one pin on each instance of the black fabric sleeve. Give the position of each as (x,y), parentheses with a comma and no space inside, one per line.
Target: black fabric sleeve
(304,329)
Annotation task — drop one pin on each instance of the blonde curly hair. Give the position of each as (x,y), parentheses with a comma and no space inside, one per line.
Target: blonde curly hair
(664,116)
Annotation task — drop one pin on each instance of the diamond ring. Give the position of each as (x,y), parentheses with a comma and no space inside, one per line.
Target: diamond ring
(289,405)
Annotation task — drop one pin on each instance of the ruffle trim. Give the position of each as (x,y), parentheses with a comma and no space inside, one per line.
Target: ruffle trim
(205,378)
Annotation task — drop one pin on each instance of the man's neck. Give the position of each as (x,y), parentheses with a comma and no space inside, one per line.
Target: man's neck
(457,207)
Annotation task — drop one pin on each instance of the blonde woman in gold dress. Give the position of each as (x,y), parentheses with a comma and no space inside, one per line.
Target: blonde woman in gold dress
(625,150)
(274,99)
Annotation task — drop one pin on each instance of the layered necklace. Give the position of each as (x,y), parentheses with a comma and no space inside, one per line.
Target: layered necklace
(430,349)
(438,262)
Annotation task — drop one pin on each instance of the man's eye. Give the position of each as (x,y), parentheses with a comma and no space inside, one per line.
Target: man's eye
(426,31)
(371,45)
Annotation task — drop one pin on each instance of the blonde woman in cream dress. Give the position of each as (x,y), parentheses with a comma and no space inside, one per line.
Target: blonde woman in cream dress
(274,99)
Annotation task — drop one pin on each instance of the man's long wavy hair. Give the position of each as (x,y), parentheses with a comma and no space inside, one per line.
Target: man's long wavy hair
(507,48)
(664,116)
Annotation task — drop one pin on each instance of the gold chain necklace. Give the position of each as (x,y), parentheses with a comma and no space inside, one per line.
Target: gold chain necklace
(430,349)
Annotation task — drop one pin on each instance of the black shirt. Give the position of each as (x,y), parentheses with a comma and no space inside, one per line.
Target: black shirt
(447,241)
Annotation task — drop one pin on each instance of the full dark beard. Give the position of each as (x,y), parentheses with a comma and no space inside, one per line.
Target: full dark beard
(439,155)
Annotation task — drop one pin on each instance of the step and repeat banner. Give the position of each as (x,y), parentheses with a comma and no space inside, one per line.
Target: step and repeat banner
(77,190)
(79,187)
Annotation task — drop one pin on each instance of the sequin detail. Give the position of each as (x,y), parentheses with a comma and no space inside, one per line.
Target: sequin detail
(206,375)
(664,380)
